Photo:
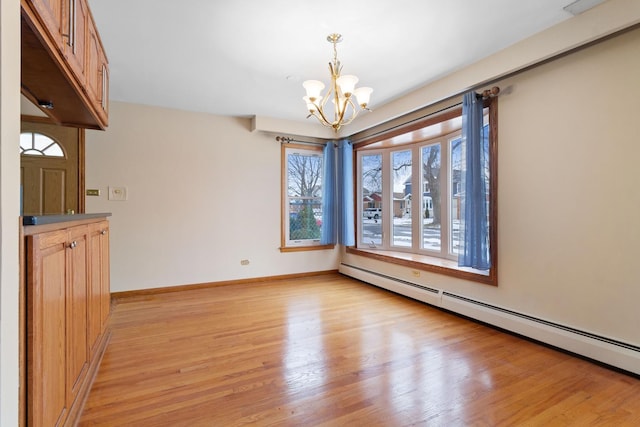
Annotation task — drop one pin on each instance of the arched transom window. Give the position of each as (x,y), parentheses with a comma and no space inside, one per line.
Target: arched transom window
(37,144)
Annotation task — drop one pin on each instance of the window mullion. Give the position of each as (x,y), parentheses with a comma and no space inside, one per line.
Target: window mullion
(387,199)
(417,190)
(445,198)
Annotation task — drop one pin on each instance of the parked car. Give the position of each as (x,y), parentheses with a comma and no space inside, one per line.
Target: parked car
(374,213)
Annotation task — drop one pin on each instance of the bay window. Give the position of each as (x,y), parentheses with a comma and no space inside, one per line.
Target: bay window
(415,180)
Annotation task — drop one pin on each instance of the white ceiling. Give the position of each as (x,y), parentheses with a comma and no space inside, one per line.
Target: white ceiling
(249,57)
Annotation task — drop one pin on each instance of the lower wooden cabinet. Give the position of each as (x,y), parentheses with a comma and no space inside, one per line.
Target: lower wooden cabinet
(68,303)
(99,298)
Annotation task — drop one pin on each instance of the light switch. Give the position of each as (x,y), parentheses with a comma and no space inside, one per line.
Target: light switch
(117,193)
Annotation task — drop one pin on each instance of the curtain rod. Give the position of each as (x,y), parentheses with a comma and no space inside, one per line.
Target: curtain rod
(486,94)
(288,140)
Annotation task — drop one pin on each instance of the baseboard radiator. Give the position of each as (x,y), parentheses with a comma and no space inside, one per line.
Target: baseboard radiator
(612,352)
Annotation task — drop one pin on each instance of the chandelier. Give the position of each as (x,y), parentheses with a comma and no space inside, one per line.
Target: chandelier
(342,89)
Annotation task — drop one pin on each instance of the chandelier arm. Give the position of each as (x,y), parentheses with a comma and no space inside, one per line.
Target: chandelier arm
(354,113)
(320,116)
(343,113)
(319,113)
(343,110)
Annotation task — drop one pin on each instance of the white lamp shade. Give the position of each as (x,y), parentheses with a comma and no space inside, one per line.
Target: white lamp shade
(364,95)
(347,83)
(310,105)
(313,88)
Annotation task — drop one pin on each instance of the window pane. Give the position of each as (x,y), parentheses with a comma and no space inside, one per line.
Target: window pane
(53,151)
(456,168)
(304,175)
(35,144)
(430,203)
(304,192)
(401,182)
(487,166)
(305,219)
(371,191)
(40,142)
(31,152)
(25,141)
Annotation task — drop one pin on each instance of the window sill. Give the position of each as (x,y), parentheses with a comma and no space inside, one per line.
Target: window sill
(306,248)
(429,263)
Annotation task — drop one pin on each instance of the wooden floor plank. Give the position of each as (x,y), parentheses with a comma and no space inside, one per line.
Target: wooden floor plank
(332,351)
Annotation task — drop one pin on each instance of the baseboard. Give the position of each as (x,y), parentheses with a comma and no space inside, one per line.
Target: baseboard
(117,297)
(612,352)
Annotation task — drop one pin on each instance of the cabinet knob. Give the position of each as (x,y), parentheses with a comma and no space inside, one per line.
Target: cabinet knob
(73,244)
(103,232)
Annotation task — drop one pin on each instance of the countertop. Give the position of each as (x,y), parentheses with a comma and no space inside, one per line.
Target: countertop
(53,219)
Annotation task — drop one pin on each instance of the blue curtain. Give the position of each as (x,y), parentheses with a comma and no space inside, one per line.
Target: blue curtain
(474,223)
(337,198)
(329,197)
(346,224)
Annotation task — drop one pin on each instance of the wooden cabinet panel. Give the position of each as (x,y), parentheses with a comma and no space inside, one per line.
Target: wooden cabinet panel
(103,105)
(46,328)
(99,292)
(77,295)
(75,50)
(105,282)
(51,16)
(97,72)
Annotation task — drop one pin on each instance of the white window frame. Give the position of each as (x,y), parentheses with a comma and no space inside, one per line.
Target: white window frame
(287,243)
(417,182)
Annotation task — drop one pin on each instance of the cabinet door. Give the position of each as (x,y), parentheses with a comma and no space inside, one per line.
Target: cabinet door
(97,72)
(51,14)
(46,326)
(98,258)
(77,295)
(103,107)
(105,292)
(75,47)
(93,59)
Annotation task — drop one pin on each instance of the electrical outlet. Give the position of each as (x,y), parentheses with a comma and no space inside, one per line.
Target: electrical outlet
(117,193)
(244,262)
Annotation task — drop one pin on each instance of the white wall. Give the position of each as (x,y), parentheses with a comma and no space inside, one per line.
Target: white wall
(568,194)
(603,20)
(9,207)
(203,193)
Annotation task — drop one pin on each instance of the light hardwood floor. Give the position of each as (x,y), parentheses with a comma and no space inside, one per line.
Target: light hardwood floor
(331,351)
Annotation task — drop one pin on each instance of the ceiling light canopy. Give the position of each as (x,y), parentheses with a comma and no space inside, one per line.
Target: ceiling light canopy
(342,89)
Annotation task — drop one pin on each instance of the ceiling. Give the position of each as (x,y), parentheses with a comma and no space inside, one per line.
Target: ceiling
(250,57)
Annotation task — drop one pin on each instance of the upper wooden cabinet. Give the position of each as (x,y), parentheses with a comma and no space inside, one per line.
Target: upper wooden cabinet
(64,67)
(50,13)
(98,78)
(75,39)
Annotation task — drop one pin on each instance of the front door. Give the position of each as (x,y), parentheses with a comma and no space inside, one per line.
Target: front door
(49,168)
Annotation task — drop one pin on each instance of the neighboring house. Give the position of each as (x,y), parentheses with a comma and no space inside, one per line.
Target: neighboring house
(371,200)
(400,208)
